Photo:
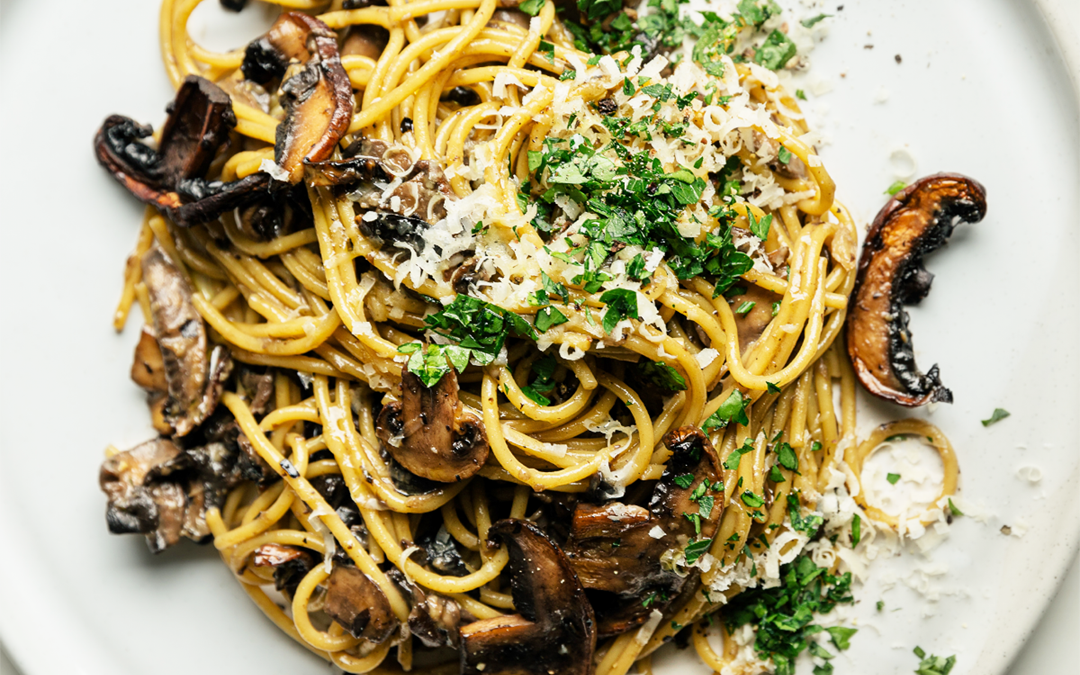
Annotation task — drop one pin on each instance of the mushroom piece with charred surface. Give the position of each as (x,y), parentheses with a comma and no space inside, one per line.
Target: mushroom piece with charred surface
(173,177)
(429,433)
(194,372)
(554,630)
(918,220)
(616,549)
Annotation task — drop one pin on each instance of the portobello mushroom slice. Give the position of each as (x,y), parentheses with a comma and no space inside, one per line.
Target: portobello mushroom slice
(434,619)
(620,551)
(172,178)
(357,603)
(918,220)
(429,433)
(554,630)
(138,504)
(317,96)
(195,373)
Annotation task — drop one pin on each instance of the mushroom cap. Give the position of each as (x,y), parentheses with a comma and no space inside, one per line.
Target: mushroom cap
(554,630)
(918,220)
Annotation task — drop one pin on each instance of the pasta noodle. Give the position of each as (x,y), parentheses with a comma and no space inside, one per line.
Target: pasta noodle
(630,342)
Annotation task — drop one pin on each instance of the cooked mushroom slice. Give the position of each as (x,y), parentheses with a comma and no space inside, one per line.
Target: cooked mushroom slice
(756,304)
(358,604)
(918,220)
(291,564)
(195,378)
(318,99)
(616,549)
(136,502)
(442,553)
(434,619)
(173,176)
(365,40)
(554,630)
(430,433)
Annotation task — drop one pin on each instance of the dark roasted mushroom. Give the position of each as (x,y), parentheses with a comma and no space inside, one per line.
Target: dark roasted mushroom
(173,176)
(365,40)
(195,374)
(918,220)
(358,605)
(429,433)
(138,503)
(554,630)
(434,619)
(318,99)
(616,549)
(291,564)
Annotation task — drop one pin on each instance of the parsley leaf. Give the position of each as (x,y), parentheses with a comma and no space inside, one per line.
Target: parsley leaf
(478,326)
(933,665)
(759,227)
(732,461)
(807,525)
(548,317)
(787,457)
(840,636)
(533,7)
(892,478)
(685,480)
(811,21)
(752,500)
(953,510)
(430,363)
(775,52)
(696,549)
(734,408)
(897,186)
(662,375)
(772,388)
(784,155)
(621,304)
(856,530)
(995,417)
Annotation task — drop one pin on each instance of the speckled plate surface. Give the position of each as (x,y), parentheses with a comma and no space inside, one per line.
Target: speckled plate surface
(981,88)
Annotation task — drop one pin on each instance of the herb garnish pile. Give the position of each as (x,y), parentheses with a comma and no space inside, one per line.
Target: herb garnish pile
(783,615)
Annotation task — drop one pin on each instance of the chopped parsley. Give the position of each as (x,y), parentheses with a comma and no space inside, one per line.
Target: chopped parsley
(685,480)
(543,382)
(775,52)
(548,317)
(696,549)
(995,417)
(759,227)
(783,614)
(532,7)
(773,389)
(732,461)
(933,665)
(856,530)
(621,304)
(955,512)
(479,327)
(897,186)
(892,478)
(809,524)
(732,409)
(745,307)
(751,499)
(811,21)
(430,363)
(784,155)
(662,375)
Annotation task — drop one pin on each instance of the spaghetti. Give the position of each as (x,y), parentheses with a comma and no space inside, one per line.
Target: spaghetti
(601,252)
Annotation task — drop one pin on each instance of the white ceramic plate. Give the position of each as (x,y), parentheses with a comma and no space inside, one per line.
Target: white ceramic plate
(981,89)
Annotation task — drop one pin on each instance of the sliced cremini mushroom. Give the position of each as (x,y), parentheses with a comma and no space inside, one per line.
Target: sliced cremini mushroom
(358,605)
(617,549)
(918,220)
(429,433)
(138,504)
(554,630)
(173,177)
(316,96)
(290,563)
(195,374)
(365,40)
